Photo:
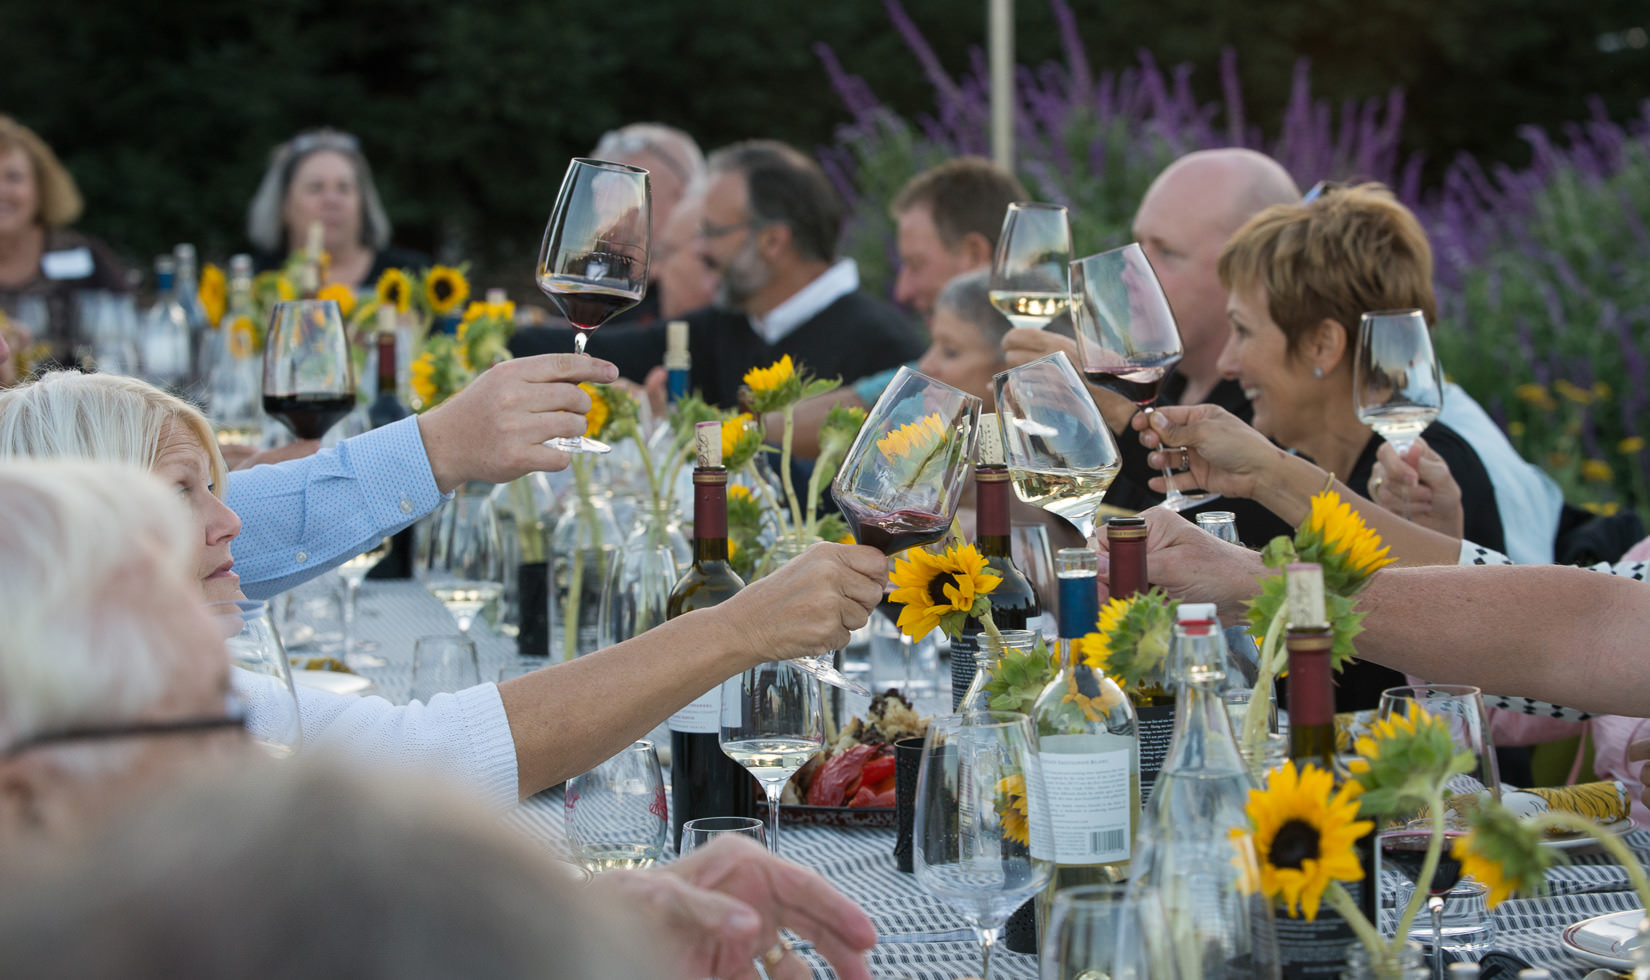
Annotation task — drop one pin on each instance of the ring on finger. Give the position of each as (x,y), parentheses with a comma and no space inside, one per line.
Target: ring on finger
(1185,458)
(776,952)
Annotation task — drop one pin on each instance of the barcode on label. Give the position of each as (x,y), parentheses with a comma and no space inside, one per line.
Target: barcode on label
(1104,841)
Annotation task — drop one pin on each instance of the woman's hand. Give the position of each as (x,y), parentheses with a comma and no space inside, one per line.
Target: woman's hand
(1191,564)
(1220,451)
(1421,478)
(810,604)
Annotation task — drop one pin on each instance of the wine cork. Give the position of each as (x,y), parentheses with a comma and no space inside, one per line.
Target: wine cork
(707,443)
(312,242)
(496,296)
(1305,602)
(990,445)
(676,346)
(386,318)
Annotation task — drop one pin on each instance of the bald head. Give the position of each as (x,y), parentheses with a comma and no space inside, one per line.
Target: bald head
(1187,215)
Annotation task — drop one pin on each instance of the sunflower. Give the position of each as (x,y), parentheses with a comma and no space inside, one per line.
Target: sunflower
(243,337)
(1131,638)
(914,440)
(284,289)
(596,418)
(340,294)
(1504,854)
(422,377)
(394,289)
(941,590)
(213,293)
(445,289)
(1404,760)
(761,381)
(1349,550)
(1597,471)
(504,311)
(1304,836)
(741,440)
(1011,807)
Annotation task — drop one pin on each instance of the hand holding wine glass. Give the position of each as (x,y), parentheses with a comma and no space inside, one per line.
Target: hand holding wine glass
(462,559)
(1127,340)
(1029,279)
(1396,384)
(593,261)
(309,375)
(1059,450)
(772,724)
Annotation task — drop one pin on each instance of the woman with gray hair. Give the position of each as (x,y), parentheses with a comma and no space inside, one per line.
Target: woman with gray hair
(966,337)
(321,177)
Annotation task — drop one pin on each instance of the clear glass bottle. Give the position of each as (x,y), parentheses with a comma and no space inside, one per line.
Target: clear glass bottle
(186,283)
(1087,750)
(234,382)
(987,654)
(163,344)
(1405,964)
(641,575)
(584,539)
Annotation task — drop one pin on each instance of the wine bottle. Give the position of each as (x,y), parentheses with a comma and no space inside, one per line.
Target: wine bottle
(387,407)
(678,362)
(1087,751)
(235,379)
(704,782)
(1317,948)
(1014,603)
(309,266)
(1154,694)
(186,285)
(164,345)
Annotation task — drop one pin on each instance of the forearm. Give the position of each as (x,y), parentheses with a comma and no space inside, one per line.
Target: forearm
(1288,489)
(571,716)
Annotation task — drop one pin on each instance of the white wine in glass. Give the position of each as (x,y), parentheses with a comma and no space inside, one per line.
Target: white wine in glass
(1059,450)
(1396,383)
(1030,281)
(772,724)
(463,556)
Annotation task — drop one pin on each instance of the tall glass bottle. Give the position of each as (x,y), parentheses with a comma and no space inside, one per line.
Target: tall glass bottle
(164,344)
(1153,695)
(1317,948)
(678,362)
(309,266)
(186,283)
(704,782)
(1014,603)
(234,386)
(1087,750)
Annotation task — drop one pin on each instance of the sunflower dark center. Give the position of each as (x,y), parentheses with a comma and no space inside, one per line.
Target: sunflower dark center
(936,588)
(1296,843)
(443,289)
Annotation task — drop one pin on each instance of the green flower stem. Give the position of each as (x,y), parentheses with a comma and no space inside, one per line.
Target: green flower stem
(994,634)
(1366,932)
(1260,699)
(575,584)
(529,525)
(785,471)
(1429,866)
(1610,842)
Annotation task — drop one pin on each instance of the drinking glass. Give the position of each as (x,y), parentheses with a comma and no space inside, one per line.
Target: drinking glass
(1396,384)
(1457,907)
(260,674)
(354,572)
(698,833)
(309,375)
(901,481)
(1116,930)
(593,262)
(1030,281)
(616,814)
(462,556)
(772,724)
(970,841)
(443,664)
(1059,450)
(1126,337)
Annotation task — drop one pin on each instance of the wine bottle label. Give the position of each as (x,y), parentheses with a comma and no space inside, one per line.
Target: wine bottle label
(963,666)
(1316,949)
(702,717)
(1154,725)
(1086,781)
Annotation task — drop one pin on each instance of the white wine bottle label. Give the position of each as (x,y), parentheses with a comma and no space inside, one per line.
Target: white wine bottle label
(1087,783)
(702,717)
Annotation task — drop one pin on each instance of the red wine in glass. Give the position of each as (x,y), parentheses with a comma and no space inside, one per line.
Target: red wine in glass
(894,532)
(1138,380)
(1406,850)
(587,305)
(309,416)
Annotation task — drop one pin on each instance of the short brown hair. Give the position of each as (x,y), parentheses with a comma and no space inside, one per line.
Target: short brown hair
(786,187)
(56,191)
(964,195)
(1347,253)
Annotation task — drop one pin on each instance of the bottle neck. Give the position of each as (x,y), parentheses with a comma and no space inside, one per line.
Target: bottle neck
(991,521)
(676,384)
(710,515)
(1079,606)
(1128,566)
(1311,697)
(386,363)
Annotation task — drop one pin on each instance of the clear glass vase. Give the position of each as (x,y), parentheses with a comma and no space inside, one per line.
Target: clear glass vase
(986,653)
(640,577)
(1404,964)
(583,542)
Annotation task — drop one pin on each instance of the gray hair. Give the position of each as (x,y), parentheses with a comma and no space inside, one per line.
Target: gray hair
(330,872)
(679,151)
(83,547)
(968,298)
(264,225)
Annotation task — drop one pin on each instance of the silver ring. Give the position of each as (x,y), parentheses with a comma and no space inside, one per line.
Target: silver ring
(1185,458)
(1374,486)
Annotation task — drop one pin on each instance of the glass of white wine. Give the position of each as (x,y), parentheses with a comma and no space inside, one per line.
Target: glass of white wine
(260,675)
(1030,273)
(1060,452)
(1396,384)
(616,814)
(772,724)
(462,559)
(354,572)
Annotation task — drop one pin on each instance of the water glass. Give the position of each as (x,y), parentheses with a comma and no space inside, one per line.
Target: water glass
(259,673)
(442,664)
(698,833)
(1117,931)
(616,813)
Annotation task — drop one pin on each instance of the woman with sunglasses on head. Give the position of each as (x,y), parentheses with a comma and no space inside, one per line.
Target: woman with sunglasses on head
(321,177)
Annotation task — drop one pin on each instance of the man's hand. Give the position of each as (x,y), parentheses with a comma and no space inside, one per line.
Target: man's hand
(239,457)
(810,604)
(1222,453)
(1421,478)
(1191,564)
(495,429)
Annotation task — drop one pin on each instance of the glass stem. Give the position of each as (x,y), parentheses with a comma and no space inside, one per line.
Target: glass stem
(1170,491)
(352,597)
(988,942)
(1435,905)
(578,341)
(773,793)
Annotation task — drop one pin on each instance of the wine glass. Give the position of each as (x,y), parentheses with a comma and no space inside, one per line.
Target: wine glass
(772,724)
(901,481)
(1113,930)
(700,832)
(260,674)
(309,375)
(1029,277)
(593,262)
(1059,450)
(354,572)
(1396,384)
(462,556)
(1126,336)
(970,837)
(1403,840)
(616,812)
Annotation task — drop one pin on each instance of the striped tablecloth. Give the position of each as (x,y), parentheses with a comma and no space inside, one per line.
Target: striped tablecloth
(922,939)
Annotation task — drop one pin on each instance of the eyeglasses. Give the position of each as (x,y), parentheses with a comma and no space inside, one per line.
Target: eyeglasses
(323,139)
(710,231)
(1319,189)
(234,717)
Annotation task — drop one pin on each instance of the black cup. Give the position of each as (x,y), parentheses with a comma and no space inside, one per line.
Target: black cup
(907,757)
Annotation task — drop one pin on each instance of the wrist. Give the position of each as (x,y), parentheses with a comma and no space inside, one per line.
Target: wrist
(443,471)
(1289,494)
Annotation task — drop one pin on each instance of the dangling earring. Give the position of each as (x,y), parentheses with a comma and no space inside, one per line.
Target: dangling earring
(1317,372)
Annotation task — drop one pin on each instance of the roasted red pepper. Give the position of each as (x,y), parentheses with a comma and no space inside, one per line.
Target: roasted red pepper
(839,778)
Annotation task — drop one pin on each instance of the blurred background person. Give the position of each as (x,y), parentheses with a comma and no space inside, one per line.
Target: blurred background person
(321,176)
(44,262)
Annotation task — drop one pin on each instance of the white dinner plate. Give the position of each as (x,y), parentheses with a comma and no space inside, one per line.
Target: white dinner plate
(1617,827)
(335,681)
(1605,939)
